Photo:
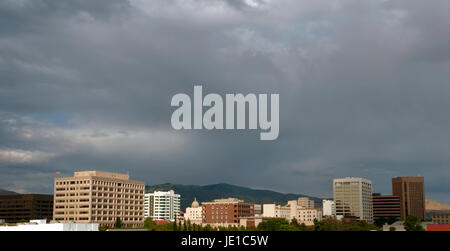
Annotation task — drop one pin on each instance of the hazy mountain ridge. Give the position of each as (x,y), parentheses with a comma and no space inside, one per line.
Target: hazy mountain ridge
(223,190)
(6,192)
(432,205)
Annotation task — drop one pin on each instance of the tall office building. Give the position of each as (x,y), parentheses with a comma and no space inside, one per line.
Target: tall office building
(411,191)
(162,205)
(18,207)
(385,206)
(353,197)
(99,197)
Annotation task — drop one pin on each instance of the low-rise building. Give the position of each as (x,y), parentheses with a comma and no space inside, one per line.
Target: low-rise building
(194,213)
(226,212)
(276,211)
(41,225)
(18,207)
(385,206)
(308,215)
(252,221)
(293,210)
(440,218)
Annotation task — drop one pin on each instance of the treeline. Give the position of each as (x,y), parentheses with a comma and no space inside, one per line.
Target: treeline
(411,223)
(275,224)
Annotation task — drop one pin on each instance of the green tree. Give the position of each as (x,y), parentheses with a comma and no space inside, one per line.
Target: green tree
(413,223)
(150,225)
(118,224)
(380,221)
(275,224)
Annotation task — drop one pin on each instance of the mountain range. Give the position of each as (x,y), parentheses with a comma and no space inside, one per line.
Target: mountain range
(223,190)
(6,192)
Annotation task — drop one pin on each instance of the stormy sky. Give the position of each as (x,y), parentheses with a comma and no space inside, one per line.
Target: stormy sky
(364,91)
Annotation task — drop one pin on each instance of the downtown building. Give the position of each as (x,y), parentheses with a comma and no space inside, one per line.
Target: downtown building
(328,208)
(353,198)
(25,207)
(301,209)
(411,191)
(162,206)
(226,212)
(385,206)
(193,213)
(99,197)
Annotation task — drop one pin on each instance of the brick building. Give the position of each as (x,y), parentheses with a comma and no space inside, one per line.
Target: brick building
(386,206)
(226,212)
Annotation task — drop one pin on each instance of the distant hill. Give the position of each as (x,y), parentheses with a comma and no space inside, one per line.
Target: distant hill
(432,205)
(6,192)
(222,190)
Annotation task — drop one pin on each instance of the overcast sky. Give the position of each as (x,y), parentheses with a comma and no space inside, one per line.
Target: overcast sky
(364,91)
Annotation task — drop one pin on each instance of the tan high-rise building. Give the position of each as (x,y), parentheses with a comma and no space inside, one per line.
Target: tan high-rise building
(99,197)
(353,197)
(411,191)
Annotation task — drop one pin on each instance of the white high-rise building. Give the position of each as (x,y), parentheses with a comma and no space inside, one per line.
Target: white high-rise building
(162,205)
(328,207)
(353,197)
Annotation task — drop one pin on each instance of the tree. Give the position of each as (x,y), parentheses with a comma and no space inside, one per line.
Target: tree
(275,224)
(413,223)
(189,226)
(381,221)
(118,223)
(150,225)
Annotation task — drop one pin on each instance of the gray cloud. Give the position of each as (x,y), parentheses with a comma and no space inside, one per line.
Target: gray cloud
(364,89)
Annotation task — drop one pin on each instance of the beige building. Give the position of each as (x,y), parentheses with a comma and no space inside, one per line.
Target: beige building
(252,221)
(308,215)
(276,211)
(194,213)
(441,218)
(293,210)
(305,202)
(353,197)
(99,197)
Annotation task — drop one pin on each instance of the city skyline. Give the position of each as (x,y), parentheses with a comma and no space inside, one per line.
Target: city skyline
(363,91)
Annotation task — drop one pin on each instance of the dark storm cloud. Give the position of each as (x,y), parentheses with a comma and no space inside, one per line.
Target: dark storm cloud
(364,89)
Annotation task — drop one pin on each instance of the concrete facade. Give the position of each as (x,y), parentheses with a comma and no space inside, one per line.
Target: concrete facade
(162,205)
(99,197)
(328,208)
(353,197)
